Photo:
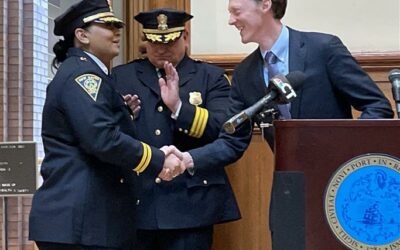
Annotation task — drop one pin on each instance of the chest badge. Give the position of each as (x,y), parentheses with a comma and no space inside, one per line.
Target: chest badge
(195,98)
(90,83)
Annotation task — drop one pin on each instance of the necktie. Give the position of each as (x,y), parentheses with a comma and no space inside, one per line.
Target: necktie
(271,63)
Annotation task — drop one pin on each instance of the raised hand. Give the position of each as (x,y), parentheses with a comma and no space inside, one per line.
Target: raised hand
(133,103)
(169,87)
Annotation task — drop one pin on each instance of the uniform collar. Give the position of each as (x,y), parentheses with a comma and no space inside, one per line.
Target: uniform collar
(99,63)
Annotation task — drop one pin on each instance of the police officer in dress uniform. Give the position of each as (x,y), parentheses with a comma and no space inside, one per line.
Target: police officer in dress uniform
(86,200)
(187,113)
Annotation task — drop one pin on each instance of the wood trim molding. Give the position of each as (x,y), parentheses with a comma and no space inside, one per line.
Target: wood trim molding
(133,31)
(378,61)
(369,61)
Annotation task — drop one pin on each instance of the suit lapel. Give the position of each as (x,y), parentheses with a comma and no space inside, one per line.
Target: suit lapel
(257,83)
(297,56)
(148,76)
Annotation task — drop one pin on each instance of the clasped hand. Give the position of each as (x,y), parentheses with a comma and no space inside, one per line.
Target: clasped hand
(173,164)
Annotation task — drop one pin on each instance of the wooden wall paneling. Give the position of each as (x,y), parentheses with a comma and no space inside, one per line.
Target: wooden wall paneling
(176,4)
(251,179)
(133,32)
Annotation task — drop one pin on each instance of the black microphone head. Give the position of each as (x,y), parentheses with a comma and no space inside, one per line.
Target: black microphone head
(394,74)
(296,79)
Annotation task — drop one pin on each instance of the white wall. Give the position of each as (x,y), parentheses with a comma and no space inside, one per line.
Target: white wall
(363,25)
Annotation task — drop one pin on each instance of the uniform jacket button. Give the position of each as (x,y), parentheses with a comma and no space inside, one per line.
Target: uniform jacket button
(186,131)
(132,117)
(160,109)
(205,182)
(122,180)
(180,129)
(158,180)
(137,202)
(157,132)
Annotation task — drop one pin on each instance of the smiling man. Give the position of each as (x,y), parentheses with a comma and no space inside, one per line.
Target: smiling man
(334,83)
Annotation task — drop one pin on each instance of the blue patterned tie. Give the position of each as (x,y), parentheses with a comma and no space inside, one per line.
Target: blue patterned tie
(273,70)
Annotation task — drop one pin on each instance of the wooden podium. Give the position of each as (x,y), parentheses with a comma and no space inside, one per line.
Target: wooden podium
(316,148)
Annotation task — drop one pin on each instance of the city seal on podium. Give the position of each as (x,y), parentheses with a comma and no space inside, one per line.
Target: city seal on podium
(362,203)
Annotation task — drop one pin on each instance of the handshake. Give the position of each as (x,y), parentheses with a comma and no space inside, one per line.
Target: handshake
(176,162)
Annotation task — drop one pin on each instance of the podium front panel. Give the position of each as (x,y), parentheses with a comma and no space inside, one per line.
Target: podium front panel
(317,148)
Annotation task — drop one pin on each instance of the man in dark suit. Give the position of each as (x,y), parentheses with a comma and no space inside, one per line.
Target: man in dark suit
(334,82)
(187,112)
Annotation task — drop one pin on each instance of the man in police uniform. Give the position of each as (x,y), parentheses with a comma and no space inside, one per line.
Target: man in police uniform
(187,113)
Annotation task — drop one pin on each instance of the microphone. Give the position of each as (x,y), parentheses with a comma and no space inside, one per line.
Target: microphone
(282,91)
(394,78)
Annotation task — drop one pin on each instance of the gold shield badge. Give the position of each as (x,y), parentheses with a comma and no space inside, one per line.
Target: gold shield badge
(195,98)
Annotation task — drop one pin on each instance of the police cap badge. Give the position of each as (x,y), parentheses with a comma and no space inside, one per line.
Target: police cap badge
(163,25)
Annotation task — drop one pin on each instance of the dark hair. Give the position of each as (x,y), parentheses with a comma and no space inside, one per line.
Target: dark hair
(278,8)
(60,50)
(61,47)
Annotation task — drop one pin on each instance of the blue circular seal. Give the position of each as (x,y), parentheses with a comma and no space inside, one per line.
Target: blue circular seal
(362,202)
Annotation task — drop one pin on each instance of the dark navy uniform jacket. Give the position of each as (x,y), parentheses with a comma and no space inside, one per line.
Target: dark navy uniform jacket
(90,160)
(334,83)
(206,198)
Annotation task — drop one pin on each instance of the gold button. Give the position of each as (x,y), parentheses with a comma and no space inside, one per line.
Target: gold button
(157,132)
(158,180)
(205,182)
(137,202)
(122,180)
(160,109)
(186,131)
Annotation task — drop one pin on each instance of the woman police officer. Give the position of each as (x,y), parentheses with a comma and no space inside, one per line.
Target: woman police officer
(86,201)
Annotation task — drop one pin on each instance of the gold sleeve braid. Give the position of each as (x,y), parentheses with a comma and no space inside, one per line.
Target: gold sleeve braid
(199,122)
(144,162)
